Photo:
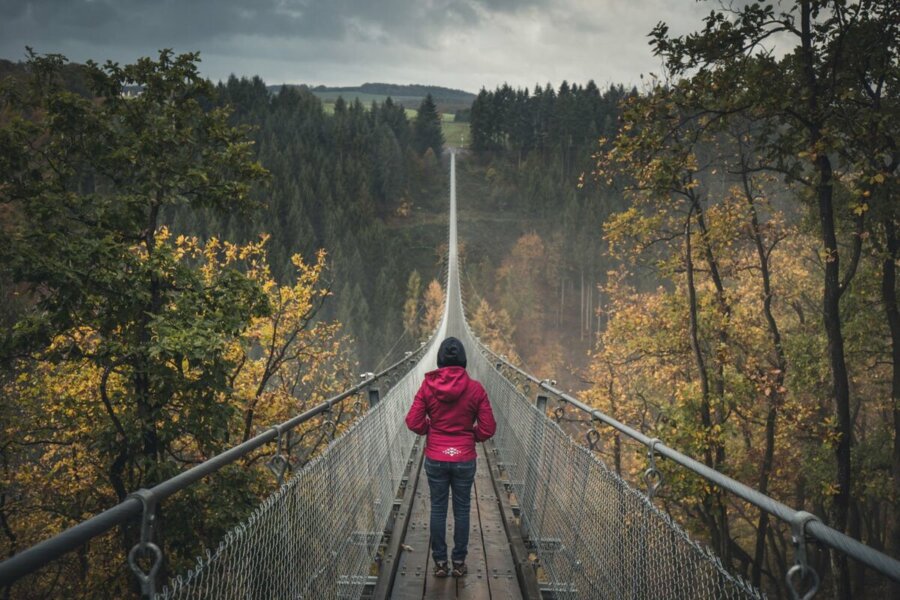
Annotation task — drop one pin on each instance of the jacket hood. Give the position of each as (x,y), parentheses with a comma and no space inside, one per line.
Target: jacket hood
(448,383)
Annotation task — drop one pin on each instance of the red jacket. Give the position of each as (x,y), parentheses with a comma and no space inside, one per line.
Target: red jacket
(454,411)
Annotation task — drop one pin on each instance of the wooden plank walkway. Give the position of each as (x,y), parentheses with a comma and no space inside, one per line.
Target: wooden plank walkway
(491,575)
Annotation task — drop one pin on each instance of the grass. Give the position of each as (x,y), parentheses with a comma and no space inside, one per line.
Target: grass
(455,134)
(366,99)
(328,105)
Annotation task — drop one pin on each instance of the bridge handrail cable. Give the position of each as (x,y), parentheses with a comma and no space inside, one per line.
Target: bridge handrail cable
(42,553)
(814,527)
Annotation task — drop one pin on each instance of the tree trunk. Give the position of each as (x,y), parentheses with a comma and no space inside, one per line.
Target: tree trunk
(718,381)
(709,511)
(831,298)
(840,378)
(889,297)
(581,309)
(775,397)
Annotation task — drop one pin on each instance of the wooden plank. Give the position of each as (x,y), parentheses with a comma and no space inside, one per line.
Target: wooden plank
(390,561)
(474,586)
(527,581)
(409,583)
(501,568)
(493,572)
(440,588)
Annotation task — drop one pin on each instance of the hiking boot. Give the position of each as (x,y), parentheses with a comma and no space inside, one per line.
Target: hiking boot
(441,569)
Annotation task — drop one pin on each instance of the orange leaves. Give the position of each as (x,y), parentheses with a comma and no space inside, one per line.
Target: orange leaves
(644,368)
(73,399)
(434,308)
(495,330)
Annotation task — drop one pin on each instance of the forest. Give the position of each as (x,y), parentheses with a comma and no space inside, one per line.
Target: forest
(340,182)
(763,197)
(710,257)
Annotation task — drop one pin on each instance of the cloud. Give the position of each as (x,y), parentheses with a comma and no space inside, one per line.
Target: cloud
(461,43)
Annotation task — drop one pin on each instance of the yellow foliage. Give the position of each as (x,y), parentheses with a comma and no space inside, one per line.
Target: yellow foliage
(495,330)
(434,309)
(66,418)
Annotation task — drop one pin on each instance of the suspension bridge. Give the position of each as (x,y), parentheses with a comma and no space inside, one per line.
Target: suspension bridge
(549,519)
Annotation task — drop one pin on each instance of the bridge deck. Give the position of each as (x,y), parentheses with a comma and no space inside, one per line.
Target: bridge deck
(492,574)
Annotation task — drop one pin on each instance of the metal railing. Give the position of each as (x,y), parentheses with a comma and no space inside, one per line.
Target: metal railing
(803,524)
(142,503)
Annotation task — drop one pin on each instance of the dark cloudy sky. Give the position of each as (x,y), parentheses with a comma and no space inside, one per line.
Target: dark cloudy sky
(456,43)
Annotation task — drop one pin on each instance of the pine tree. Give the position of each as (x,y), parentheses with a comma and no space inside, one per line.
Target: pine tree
(427,131)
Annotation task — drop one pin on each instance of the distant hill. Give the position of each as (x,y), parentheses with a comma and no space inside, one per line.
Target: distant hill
(448,100)
(391,89)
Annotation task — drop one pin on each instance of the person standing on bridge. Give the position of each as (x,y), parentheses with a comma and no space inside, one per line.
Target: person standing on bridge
(453,411)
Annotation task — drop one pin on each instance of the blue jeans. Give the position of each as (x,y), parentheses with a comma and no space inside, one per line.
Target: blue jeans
(444,476)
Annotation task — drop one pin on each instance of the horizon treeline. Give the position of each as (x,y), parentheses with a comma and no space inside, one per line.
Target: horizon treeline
(562,122)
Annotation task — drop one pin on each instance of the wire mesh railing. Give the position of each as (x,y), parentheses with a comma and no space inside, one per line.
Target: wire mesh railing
(801,578)
(595,536)
(317,535)
(60,565)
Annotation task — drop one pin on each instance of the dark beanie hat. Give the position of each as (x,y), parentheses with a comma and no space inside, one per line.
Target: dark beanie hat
(451,354)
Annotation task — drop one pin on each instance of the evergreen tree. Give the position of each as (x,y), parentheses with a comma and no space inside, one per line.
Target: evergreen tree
(480,122)
(334,177)
(427,130)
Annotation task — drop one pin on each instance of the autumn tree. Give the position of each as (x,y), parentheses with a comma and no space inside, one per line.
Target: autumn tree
(524,291)
(280,365)
(669,221)
(494,329)
(521,278)
(433,305)
(644,373)
(138,352)
(86,235)
(411,305)
(799,102)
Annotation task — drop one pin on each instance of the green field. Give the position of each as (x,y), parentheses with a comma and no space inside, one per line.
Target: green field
(367,99)
(455,134)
